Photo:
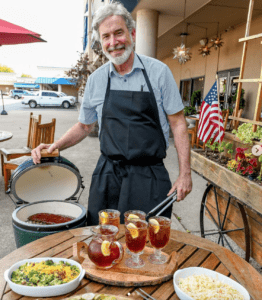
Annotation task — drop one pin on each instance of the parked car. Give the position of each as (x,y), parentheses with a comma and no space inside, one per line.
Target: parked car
(65,95)
(18,94)
(48,98)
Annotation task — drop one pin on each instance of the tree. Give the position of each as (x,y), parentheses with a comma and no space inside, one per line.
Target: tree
(6,69)
(25,75)
(83,68)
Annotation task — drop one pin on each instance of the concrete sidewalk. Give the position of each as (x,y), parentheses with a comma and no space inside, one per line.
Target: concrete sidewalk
(84,156)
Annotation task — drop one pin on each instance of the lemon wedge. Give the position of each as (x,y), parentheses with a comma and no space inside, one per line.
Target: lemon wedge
(155,225)
(104,217)
(133,230)
(132,216)
(105,248)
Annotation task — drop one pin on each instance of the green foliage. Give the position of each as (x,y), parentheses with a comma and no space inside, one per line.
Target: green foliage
(229,147)
(245,133)
(189,110)
(242,100)
(6,69)
(25,75)
(221,147)
(196,98)
(214,146)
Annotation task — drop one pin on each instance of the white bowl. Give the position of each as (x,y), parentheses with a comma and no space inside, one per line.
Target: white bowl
(44,291)
(198,271)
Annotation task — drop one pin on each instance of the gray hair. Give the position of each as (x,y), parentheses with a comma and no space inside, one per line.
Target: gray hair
(111,9)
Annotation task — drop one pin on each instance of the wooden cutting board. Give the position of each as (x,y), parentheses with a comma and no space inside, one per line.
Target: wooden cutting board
(121,275)
(91,296)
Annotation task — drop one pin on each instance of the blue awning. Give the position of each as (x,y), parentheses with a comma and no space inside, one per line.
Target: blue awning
(63,81)
(26,85)
(45,80)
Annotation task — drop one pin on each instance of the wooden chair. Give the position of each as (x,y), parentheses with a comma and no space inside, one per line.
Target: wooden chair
(31,143)
(44,133)
(225,114)
(193,132)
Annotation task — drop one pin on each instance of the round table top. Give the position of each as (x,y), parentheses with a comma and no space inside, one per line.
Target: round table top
(192,251)
(5,135)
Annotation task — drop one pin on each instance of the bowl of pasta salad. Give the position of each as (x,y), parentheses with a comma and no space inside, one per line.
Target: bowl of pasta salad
(200,283)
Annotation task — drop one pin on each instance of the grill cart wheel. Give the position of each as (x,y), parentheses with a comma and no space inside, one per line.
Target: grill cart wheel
(219,219)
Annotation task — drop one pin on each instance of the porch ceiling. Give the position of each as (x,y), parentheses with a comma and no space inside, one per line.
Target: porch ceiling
(228,13)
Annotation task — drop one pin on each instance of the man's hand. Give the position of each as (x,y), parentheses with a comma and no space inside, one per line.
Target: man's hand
(183,186)
(36,153)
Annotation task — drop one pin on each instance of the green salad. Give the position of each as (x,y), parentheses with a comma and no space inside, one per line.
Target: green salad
(45,273)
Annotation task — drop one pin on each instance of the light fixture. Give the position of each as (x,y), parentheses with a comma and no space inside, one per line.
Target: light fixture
(204,49)
(181,52)
(217,41)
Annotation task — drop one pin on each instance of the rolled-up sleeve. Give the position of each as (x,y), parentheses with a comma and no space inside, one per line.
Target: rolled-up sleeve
(172,102)
(88,114)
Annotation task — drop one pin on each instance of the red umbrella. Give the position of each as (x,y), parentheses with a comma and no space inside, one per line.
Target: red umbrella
(11,34)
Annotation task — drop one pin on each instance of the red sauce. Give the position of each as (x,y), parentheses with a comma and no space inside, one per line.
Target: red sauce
(49,218)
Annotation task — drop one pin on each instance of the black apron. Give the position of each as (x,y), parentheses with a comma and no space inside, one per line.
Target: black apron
(130,173)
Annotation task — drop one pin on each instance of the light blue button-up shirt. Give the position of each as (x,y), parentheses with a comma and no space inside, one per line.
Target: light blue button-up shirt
(162,81)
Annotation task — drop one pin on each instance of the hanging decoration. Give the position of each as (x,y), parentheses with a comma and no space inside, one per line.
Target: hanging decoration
(204,49)
(217,41)
(181,52)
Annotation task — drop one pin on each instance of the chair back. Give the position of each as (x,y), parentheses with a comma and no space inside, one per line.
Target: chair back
(33,122)
(45,133)
(225,114)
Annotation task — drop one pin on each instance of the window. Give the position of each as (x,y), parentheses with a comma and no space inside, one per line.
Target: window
(188,86)
(45,94)
(227,88)
(53,95)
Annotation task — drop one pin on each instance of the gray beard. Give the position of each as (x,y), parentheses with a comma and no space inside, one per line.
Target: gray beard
(120,59)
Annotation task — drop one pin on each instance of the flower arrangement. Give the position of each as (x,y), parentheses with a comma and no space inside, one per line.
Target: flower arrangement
(246,134)
(244,163)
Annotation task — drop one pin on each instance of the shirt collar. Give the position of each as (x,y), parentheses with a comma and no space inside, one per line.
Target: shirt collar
(136,65)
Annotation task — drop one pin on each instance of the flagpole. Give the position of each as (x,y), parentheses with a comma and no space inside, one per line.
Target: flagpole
(218,88)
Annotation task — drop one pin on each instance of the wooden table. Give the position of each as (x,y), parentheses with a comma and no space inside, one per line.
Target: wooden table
(192,250)
(5,135)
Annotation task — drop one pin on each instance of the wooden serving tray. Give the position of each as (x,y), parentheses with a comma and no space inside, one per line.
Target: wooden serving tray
(121,275)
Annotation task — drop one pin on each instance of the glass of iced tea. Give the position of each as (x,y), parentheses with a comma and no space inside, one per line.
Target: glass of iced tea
(134,214)
(159,234)
(136,234)
(104,251)
(109,217)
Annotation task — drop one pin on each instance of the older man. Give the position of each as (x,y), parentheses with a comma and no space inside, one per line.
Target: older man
(133,97)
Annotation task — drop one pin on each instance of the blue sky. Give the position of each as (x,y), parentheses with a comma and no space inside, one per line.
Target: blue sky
(60,23)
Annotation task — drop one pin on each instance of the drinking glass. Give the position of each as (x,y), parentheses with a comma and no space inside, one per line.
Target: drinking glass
(140,214)
(136,234)
(109,217)
(159,234)
(129,215)
(104,251)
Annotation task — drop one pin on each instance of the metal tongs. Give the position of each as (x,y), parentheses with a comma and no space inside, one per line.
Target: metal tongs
(168,201)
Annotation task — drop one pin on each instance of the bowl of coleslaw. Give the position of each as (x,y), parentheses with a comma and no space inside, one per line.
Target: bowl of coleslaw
(199,283)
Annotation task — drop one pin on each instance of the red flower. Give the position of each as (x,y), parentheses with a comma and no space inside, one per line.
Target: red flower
(240,153)
(253,162)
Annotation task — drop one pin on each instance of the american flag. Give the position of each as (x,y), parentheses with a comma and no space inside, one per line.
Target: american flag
(210,120)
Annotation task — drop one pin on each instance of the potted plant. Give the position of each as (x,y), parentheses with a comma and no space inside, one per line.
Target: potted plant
(196,98)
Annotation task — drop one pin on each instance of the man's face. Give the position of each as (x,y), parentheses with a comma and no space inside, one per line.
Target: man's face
(116,41)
